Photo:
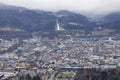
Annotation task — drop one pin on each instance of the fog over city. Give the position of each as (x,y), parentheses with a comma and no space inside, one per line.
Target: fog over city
(96,6)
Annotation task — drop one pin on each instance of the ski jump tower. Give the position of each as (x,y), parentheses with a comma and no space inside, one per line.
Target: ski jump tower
(58,27)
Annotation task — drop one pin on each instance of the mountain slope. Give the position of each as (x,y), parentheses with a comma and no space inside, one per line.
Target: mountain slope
(35,20)
(73,21)
(27,20)
(112,21)
(10,7)
(111,17)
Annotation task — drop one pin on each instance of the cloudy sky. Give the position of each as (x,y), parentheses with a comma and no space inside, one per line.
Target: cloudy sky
(96,6)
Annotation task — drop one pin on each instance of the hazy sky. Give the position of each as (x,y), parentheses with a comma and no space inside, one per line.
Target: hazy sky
(96,6)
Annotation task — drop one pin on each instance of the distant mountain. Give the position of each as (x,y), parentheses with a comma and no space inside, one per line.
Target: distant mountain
(64,12)
(111,21)
(10,7)
(73,21)
(37,20)
(111,17)
(26,20)
(19,19)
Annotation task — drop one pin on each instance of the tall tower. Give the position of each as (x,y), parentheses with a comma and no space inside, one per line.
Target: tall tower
(57,27)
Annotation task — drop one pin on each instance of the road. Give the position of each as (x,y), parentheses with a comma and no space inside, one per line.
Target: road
(52,77)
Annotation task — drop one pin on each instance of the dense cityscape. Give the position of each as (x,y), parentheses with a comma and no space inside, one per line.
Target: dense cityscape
(59,40)
(50,58)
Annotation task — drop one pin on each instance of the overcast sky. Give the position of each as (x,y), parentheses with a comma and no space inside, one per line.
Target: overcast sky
(96,6)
